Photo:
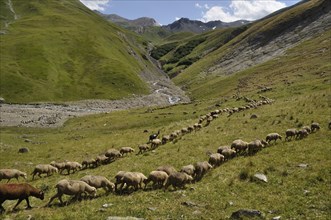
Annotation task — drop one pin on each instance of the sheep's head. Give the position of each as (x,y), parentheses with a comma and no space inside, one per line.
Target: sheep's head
(40,195)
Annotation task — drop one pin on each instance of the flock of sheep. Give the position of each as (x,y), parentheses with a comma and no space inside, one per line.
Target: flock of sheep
(162,177)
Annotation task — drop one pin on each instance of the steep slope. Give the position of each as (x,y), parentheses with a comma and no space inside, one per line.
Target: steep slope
(61,50)
(262,41)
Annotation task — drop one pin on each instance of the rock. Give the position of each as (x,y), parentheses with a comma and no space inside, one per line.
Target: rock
(246,213)
(27,140)
(107,205)
(30,217)
(276,218)
(261,177)
(189,204)
(2,100)
(303,165)
(230,203)
(152,208)
(23,150)
(253,116)
(196,212)
(123,218)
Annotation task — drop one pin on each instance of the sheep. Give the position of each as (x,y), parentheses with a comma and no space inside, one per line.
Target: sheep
(178,179)
(99,182)
(190,128)
(126,150)
(315,126)
(197,126)
(292,132)
(184,130)
(307,128)
(165,139)
(134,179)
(302,133)
(255,146)
(102,159)
(329,125)
(173,135)
(157,177)
(72,187)
(44,168)
(74,166)
(188,169)
(201,168)
(155,143)
(239,146)
(59,166)
(20,191)
(89,163)
(167,168)
(216,159)
(220,149)
(11,173)
(113,154)
(153,136)
(228,153)
(143,148)
(273,137)
(118,178)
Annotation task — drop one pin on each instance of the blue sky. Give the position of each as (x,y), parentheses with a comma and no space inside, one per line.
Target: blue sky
(167,11)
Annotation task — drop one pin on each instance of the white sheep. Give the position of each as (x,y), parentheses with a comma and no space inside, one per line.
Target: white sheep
(72,165)
(239,146)
(60,166)
(11,173)
(142,148)
(315,126)
(155,143)
(167,168)
(220,149)
(158,178)
(307,128)
(165,139)
(201,168)
(126,150)
(273,137)
(102,159)
(99,182)
(89,163)
(255,146)
(292,132)
(72,187)
(216,159)
(44,168)
(302,133)
(113,154)
(228,153)
(188,169)
(178,179)
(119,178)
(134,179)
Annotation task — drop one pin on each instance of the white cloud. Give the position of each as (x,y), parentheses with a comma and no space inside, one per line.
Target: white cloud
(99,5)
(246,10)
(206,6)
(198,5)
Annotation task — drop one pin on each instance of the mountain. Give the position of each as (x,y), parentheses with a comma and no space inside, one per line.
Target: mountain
(187,25)
(137,25)
(61,50)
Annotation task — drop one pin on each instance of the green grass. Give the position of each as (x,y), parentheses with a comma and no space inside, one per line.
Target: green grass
(63,51)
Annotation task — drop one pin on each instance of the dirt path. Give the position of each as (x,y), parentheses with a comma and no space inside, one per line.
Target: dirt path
(164,92)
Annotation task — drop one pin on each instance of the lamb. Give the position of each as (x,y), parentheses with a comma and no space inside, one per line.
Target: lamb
(89,163)
(118,178)
(74,166)
(178,179)
(255,146)
(216,159)
(44,168)
(228,154)
(126,150)
(167,168)
(315,126)
(20,191)
(292,132)
(155,143)
(11,173)
(157,177)
(201,168)
(59,166)
(273,137)
(99,182)
(239,146)
(72,187)
(143,148)
(134,179)
(188,169)
(113,154)
(165,139)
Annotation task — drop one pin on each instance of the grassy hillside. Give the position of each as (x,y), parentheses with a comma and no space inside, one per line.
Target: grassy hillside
(60,50)
(301,88)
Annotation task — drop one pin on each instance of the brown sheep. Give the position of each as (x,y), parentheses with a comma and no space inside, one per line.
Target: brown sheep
(44,168)
(315,126)
(20,191)
(292,132)
(126,150)
(239,146)
(157,177)
(201,168)
(99,182)
(273,137)
(178,179)
(11,173)
(72,187)
(143,148)
(167,168)
(216,159)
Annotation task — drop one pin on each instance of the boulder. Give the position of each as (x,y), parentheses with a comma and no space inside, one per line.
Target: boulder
(23,150)
(261,177)
(247,213)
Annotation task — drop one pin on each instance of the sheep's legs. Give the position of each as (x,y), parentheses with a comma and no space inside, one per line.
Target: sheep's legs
(27,202)
(18,202)
(2,209)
